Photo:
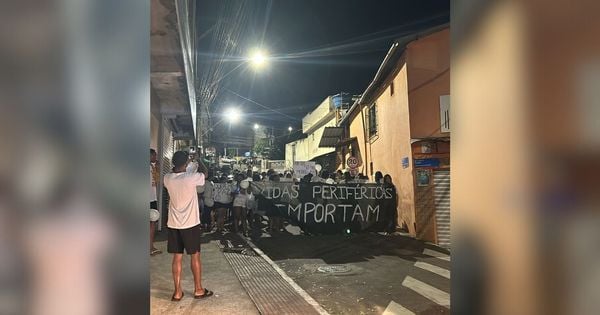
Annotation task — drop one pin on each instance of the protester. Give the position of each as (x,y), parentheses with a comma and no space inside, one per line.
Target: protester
(393,215)
(250,206)
(223,199)
(208,202)
(275,217)
(154,214)
(287,178)
(183,223)
(257,211)
(240,203)
(378,177)
(339,176)
(347,179)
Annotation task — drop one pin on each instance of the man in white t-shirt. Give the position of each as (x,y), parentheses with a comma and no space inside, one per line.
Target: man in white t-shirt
(183,224)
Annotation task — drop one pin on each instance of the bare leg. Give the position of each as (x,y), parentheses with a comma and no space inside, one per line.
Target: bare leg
(212,218)
(237,213)
(220,219)
(176,268)
(243,213)
(152,228)
(197,271)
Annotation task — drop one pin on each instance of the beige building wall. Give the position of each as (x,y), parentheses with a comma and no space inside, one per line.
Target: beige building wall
(408,110)
(313,117)
(390,145)
(428,61)
(313,125)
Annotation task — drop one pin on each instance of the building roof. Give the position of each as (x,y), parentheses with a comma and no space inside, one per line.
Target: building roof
(388,66)
(331,136)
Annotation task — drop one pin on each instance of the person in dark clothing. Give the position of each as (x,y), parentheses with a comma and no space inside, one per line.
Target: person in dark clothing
(392,218)
(378,177)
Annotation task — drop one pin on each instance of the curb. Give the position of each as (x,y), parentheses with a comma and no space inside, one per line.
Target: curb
(287,278)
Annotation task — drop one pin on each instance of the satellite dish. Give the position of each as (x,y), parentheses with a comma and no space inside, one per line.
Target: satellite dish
(318,167)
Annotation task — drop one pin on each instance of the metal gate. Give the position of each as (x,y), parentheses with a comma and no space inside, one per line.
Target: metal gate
(165,153)
(441,194)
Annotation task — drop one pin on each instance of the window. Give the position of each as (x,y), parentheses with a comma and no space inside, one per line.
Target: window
(445,113)
(372,120)
(392,88)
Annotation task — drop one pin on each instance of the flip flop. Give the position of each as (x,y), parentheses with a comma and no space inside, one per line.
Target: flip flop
(155,251)
(207,293)
(174,299)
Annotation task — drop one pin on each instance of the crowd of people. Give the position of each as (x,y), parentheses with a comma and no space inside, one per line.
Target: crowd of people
(206,200)
(229,199)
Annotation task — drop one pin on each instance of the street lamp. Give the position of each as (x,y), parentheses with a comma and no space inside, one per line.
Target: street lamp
(232,114)
(258,58)
(290,129)
(256,126)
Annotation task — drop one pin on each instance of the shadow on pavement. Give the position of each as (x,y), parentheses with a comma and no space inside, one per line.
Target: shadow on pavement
(340,249)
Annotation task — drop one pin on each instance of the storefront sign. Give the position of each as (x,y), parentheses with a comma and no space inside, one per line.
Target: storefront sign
(329,209)
(427,162)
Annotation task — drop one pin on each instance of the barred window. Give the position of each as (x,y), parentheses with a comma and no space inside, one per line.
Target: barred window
(372,120)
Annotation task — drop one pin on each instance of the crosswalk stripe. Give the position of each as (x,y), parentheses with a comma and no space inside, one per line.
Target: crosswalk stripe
(435,254)
(434,294)
(396,309)
(435,269)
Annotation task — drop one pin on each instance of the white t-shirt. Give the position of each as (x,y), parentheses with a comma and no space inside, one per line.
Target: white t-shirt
(208,194)
(241,200)
(222,192)
(251,204)
(184,211)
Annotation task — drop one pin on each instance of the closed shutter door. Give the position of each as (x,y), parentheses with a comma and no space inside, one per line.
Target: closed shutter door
(166,150)
(441,181)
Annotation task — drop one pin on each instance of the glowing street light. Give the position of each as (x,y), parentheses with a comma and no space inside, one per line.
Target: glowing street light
(258,58)
(233,115)
(290,129)
(256,126)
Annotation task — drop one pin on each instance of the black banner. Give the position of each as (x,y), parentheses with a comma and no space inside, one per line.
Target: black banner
(320,208)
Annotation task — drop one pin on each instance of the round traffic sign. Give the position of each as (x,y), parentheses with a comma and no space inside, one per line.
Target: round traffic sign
(352,162)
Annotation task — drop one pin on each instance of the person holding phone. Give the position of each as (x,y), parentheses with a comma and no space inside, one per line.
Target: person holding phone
(183,225)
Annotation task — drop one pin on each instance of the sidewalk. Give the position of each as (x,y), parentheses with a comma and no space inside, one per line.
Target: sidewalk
(217,275)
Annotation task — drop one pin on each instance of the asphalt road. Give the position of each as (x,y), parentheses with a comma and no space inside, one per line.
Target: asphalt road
(364,273)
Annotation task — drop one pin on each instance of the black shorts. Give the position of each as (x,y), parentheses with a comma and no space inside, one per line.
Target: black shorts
(153,205)
(218,205)
(178,239)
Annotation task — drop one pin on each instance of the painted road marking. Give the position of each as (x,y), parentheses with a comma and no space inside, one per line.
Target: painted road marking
(396,309)
(435,269)
(435,254)
(434,294)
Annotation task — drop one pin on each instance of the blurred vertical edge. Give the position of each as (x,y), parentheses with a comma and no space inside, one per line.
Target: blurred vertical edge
(525,88)
(74,139)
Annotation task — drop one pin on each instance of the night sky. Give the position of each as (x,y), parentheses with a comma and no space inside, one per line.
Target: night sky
(318,48)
